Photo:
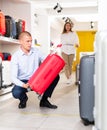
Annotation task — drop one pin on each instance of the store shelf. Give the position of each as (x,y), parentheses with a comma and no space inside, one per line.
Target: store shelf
(6,40)
(8,44)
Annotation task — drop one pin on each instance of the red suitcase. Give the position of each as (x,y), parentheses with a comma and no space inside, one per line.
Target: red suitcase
(1,55)
(46,73)
(2,24)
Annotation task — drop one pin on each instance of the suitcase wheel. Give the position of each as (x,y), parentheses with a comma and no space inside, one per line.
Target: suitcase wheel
(87,122)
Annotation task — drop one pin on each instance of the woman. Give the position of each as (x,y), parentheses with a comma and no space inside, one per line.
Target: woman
(70,41)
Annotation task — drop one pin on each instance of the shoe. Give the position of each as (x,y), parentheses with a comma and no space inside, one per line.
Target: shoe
(22,104)
(47,104)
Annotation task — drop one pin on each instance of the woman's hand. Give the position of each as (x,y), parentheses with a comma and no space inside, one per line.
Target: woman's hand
(76,45)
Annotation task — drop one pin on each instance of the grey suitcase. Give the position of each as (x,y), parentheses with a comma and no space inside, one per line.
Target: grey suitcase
(86,89)
(77,75)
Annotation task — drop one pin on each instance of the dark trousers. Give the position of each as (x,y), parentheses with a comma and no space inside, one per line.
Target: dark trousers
(20,93)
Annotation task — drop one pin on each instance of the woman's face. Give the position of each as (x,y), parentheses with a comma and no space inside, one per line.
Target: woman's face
(68,27)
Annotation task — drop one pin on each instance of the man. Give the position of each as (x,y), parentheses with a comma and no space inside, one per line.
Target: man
(24,62)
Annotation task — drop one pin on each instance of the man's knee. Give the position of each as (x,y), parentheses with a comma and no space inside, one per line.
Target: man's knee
(16,93)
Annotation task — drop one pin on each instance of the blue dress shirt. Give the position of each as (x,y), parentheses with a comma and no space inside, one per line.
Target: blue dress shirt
(24,65)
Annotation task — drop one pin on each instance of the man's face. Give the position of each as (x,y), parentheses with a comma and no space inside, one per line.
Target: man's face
(26,42)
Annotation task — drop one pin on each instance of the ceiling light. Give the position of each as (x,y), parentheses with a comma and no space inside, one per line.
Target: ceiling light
(92,24)
(55,7)
(58,8)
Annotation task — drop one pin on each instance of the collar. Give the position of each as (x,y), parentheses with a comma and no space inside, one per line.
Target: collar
(23,53)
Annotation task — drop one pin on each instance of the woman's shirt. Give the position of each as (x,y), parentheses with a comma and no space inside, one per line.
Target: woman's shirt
(68,41)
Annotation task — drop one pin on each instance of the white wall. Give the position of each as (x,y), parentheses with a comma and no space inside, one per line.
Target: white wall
(18,11)
(55,36)
(85,26)
(55,30)
(40,28)
(102,11)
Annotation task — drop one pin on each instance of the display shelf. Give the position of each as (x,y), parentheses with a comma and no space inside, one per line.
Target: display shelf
(8,44)
(6,40)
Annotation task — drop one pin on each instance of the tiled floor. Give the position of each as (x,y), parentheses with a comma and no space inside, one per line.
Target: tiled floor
(66,117)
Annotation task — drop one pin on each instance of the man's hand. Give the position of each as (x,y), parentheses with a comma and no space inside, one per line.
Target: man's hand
(26,85)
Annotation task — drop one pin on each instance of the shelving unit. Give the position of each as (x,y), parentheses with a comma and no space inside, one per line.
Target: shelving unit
(7,40)
(8,44)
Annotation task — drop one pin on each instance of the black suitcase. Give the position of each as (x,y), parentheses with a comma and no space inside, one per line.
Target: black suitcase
(86,89)
(20,27)
(10,27)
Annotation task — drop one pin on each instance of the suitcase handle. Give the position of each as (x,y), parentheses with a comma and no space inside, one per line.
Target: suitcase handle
(54,51)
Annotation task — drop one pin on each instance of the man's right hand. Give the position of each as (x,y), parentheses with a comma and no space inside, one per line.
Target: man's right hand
(26,85)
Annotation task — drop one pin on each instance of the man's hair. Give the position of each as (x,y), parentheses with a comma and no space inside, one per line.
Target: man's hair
(23,34)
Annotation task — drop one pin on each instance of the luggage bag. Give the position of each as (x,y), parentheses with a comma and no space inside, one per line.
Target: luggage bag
(46,73)
(2,23)
(10,27)
(20,27)
(86,89)
(6,79)
(77,75)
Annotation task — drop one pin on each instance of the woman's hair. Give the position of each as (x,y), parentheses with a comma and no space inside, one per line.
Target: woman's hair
(23,34)
(71,25)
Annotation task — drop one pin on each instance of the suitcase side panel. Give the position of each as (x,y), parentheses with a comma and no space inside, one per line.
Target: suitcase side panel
(2,24)
(86,99)
(46,73)
(77,74)
(13,28)
(8,22)
(6,79)
(10,27)
(20,27)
